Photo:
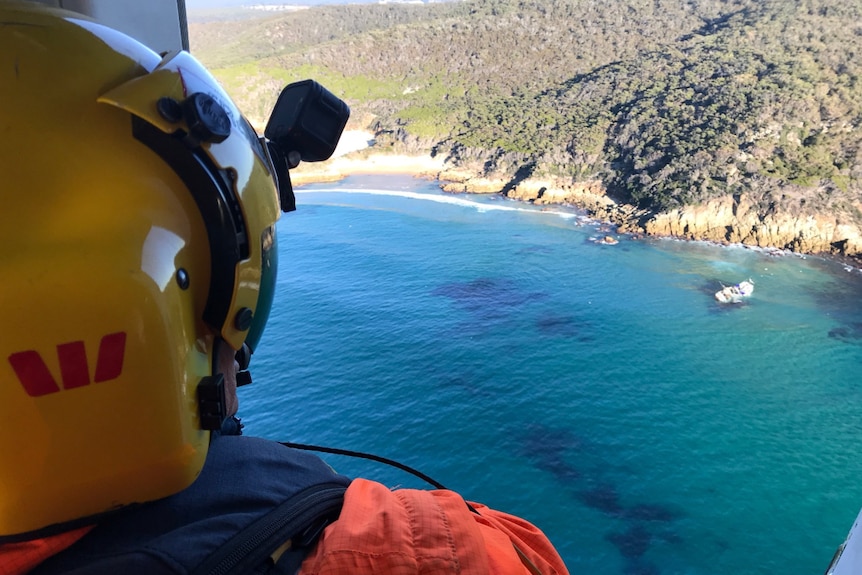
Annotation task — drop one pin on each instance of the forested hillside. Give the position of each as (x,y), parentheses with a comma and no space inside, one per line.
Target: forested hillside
(666,103)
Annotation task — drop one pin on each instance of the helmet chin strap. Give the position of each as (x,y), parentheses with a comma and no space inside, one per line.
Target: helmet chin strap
(212,402)
(243,358)
(212,391)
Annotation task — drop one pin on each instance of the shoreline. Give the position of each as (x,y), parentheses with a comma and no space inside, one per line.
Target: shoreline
(355,154)
(357,157)
(384,164)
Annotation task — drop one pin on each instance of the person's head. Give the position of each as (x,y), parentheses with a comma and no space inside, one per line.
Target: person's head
(137,216)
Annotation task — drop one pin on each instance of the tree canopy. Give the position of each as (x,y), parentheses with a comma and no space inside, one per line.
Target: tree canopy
(667,103)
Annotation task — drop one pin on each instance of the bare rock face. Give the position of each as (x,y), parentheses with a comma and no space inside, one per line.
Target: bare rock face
(473,186)
(730,219)
(467,180)
(548,191)
(535,191)
(737,221)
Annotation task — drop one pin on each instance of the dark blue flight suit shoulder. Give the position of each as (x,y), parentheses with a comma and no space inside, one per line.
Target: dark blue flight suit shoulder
(246,485)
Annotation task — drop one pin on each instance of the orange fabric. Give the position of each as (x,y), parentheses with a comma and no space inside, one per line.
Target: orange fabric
(19,558)
(426,532)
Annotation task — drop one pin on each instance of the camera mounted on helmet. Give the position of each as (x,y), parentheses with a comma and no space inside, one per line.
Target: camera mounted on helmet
(305,125)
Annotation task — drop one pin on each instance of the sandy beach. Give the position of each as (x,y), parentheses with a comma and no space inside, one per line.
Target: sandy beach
(345,162)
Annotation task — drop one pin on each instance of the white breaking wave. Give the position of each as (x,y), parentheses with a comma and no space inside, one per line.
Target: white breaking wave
(481,207)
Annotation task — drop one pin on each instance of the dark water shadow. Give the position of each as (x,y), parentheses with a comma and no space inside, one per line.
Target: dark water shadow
(709,287)
(548,449)
(851,332)
(536,249)
(553,451)
(568,326)
(487,298)
(633,543)
(652,512)
(843,305)
(839,298)
(603,497)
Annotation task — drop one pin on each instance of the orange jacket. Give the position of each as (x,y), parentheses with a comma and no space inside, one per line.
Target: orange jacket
(19,558)
(407,532)
(427,532)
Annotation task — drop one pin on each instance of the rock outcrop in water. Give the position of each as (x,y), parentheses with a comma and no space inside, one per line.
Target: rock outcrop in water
(749,219)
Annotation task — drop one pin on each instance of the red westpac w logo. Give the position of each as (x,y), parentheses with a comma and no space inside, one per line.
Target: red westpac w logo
(74,370)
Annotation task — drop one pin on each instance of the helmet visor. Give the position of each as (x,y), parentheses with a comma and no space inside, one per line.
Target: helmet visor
(269,269)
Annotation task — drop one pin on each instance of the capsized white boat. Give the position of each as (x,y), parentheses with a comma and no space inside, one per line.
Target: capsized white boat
(735,293)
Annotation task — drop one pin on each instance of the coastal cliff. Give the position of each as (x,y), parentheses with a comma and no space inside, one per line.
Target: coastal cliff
(751,219)
(738,219)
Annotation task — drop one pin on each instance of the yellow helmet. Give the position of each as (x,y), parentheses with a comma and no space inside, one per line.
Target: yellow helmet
(137,225)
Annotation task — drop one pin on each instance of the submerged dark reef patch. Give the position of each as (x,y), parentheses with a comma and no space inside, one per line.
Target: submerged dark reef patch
(488,298)
(568,326)
(549,449)
(850,333)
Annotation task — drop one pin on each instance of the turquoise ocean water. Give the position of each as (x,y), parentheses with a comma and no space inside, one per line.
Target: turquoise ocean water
(597,390)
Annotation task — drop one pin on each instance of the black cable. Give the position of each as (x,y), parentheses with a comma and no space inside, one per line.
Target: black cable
(361,455)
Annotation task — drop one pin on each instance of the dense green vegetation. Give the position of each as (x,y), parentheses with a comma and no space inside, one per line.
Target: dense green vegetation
(668,103)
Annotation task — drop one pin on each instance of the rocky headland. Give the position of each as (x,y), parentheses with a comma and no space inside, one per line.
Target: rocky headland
(727,220)
(748,219)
